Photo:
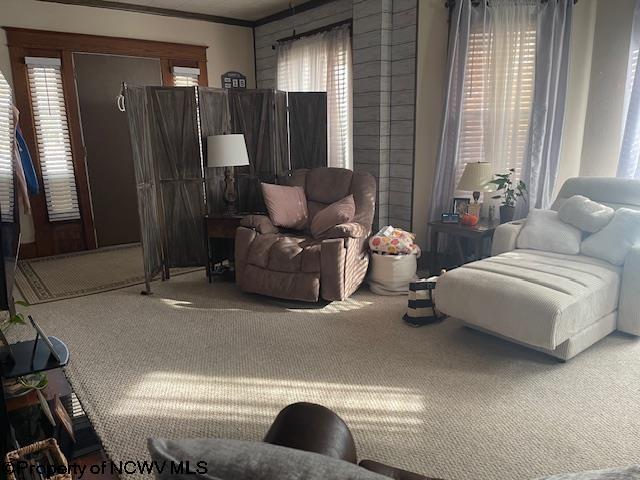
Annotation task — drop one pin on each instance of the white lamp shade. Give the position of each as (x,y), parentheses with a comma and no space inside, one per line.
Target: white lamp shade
(227,151)
(476,176)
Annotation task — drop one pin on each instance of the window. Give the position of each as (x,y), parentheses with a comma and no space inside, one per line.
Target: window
(497,98)
(52,137)
(322,63)
(186,77)
(6,152)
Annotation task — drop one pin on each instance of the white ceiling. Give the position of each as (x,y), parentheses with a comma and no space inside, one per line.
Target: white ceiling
(241,9)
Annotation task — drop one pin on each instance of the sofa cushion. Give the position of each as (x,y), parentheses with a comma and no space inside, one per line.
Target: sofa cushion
(285,253)
(614,241)
(585,214)
(287,206)
(543,230)
(337,213)
(239,460)
(538,298)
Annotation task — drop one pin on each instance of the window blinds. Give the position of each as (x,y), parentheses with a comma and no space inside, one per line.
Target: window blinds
(497,98)
(6,152)
(52,137)
(186,77)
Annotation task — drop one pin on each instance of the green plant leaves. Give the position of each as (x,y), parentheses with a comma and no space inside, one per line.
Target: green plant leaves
(504,181)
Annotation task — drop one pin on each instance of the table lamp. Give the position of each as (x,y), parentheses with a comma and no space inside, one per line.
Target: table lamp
(476,178)
(227,151)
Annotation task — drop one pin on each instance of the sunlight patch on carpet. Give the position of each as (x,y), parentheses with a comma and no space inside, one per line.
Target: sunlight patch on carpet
(172,395)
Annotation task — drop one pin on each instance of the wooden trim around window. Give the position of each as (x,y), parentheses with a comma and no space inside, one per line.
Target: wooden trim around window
(61,237)
(77,42)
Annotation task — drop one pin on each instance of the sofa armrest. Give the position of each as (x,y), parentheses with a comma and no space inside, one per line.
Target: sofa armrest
(629,305)
(346,230)
(505,236)
(391,472)
(259,223)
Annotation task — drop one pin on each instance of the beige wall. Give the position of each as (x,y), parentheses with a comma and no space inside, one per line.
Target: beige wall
(582,34)
(432,59)
(230,47)
(604,118)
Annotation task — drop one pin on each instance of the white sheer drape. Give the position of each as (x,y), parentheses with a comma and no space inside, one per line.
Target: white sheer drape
(508,82)
(507,79)
(322,63)
(490,91)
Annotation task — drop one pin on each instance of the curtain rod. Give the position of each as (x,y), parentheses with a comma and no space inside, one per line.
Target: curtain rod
(326,28)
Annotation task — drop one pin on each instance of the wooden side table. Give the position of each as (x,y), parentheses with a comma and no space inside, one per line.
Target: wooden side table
(220,235)
(477,234)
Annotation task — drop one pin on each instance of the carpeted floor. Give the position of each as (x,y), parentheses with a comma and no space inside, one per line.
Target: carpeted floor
(203,360)
(48,279)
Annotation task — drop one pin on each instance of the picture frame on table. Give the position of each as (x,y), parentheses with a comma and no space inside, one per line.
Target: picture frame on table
(461,205)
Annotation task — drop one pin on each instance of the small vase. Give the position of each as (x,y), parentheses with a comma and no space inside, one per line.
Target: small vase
(507,213)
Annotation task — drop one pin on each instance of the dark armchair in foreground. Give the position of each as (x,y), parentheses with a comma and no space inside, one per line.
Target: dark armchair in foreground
(314,428)
(295,266)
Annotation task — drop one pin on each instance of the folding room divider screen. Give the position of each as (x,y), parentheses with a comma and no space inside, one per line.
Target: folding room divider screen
(168,128)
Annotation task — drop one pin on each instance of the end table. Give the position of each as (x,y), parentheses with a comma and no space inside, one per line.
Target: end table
(477,234)
(220,231)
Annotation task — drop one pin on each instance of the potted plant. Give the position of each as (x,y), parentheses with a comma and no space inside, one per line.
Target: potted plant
(511,191)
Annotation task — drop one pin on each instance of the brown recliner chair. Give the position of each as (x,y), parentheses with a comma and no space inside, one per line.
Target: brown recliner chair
(314,428)
(295,266)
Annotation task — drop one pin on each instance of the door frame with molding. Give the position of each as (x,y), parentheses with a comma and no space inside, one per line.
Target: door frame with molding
(75,235)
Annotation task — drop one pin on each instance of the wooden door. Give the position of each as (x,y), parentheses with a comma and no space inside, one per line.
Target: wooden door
(107,142)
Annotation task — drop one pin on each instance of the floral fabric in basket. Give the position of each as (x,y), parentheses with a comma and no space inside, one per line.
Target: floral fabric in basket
(394,241)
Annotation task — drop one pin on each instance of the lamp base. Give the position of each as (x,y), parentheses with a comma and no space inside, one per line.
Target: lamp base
(230,210)
(230,195)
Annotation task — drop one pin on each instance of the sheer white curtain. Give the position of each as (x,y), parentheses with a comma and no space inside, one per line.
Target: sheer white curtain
(498,85)
(490,91)
(507,74)
(322,63)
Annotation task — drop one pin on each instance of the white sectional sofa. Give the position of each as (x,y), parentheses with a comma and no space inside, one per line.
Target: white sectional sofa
(559,304)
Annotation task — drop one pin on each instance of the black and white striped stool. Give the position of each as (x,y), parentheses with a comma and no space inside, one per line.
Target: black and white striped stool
(422,309)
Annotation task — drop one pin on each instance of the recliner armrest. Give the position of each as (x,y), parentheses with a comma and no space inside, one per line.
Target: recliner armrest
(505,236)
(259,223)
(629,304)
(346,230)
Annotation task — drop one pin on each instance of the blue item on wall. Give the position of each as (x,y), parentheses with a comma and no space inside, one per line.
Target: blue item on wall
(27,164)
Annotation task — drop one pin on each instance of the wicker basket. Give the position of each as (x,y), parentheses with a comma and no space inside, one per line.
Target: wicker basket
(49,444)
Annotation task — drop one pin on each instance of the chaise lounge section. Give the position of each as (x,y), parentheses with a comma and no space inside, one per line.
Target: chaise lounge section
(556,303)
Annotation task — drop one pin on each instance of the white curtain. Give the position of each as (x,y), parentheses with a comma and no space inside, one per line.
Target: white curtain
(629,161)
(507,75)
(507,42)
(322,63)
(490,91)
